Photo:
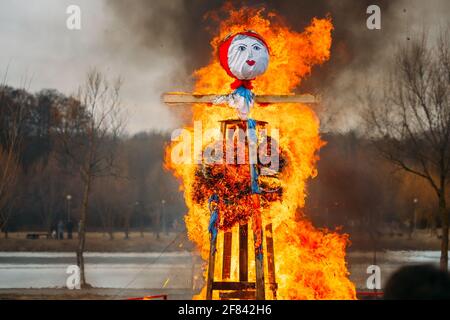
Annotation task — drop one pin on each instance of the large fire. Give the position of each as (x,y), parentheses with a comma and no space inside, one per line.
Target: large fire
(310,263)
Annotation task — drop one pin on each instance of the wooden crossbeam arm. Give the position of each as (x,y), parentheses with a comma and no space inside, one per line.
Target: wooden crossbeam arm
(227,285)
(180,98)
(246,295)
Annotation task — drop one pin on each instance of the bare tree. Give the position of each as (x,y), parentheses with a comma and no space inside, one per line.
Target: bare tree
(12,117)
(46,185)
(110,198)
(90,135)
(128,194)
(9,170)
(410,119)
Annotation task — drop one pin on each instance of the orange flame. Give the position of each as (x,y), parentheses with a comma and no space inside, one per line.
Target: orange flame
(310,263)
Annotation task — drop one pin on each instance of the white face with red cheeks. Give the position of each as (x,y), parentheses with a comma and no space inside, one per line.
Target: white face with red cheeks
(248,57)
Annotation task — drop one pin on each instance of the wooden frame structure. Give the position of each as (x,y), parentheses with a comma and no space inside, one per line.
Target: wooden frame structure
(182,98)
(242,289)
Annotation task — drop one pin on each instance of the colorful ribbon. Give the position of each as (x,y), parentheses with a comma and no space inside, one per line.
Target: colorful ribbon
(214,219)
(242,83)
(253,139)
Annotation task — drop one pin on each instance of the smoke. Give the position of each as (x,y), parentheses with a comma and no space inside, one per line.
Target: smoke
(180,31)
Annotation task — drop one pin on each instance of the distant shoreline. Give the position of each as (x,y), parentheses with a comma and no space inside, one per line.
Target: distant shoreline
(100,242)
(92,294)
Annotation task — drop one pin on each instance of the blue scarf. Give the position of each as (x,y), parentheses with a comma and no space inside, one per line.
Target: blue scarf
(253,139)
(246,93)
(212,228)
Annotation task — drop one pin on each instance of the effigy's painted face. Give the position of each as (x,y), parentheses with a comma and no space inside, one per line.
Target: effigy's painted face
(248,57)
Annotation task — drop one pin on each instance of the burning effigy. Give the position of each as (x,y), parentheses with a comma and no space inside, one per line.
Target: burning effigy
(227,187)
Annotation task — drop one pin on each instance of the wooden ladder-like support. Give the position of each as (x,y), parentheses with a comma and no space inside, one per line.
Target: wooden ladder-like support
(242,289)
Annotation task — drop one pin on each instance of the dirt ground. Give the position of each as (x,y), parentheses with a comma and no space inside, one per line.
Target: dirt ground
(92,294)
(420,240)
(99,242)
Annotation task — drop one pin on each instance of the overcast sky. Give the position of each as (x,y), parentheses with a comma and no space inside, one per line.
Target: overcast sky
(36,45)
(155,45)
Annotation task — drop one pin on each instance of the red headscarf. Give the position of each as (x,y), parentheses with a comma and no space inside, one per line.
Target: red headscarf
(223,57)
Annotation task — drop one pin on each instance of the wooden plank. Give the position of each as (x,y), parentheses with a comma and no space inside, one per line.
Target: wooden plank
(243,252)
(226,261)
(271,260)
(180,98)
(245,295)
(228,285)
(231,122)
(211,265)
(259,266)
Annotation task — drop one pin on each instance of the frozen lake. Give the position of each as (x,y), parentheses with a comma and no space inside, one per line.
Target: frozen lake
(174,270)
(104,270)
